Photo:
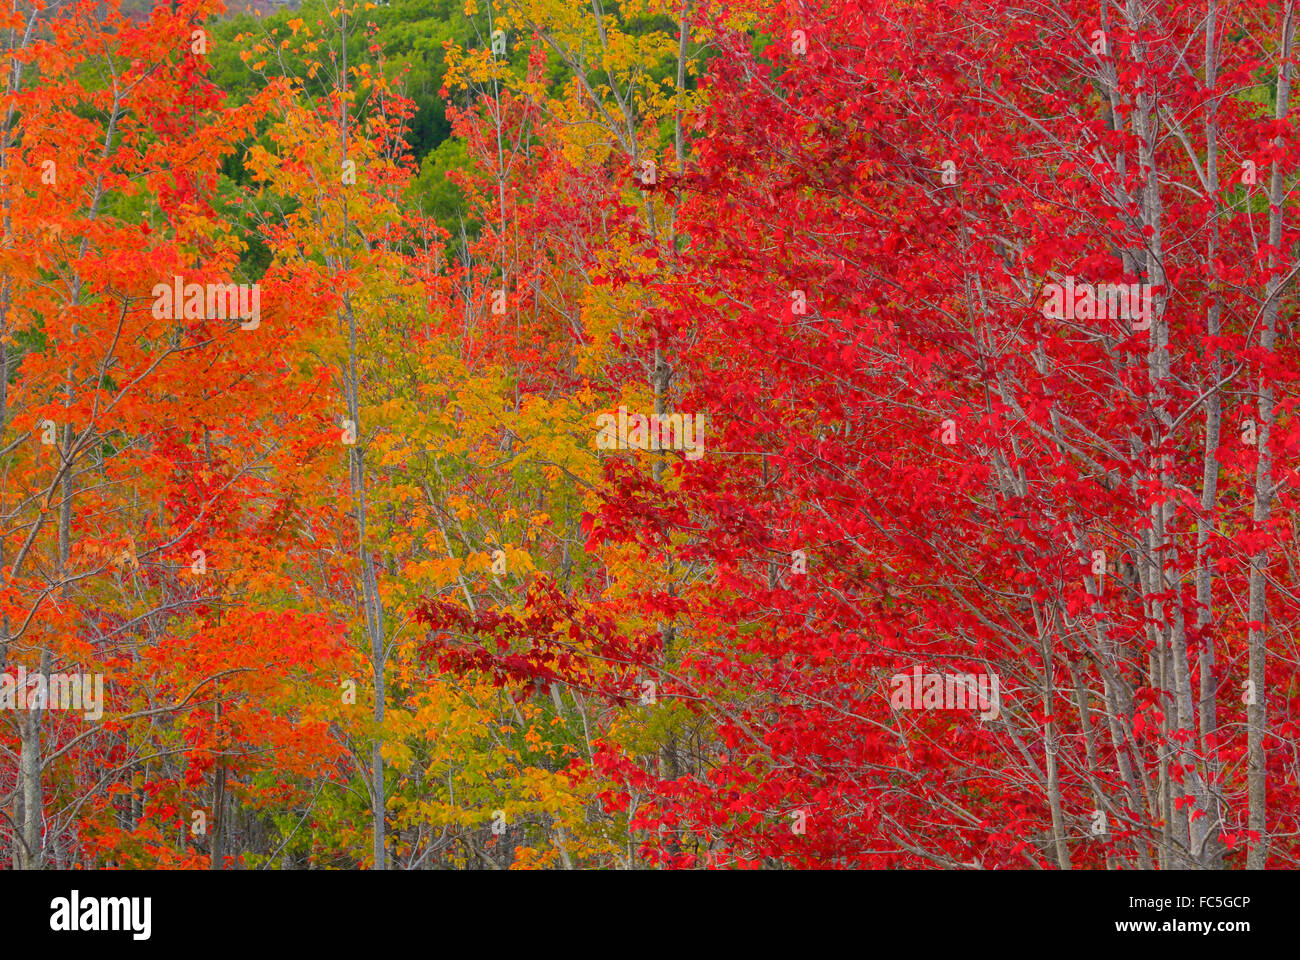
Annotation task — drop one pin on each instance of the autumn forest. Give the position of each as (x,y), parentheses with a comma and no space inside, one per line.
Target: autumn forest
(668,434)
